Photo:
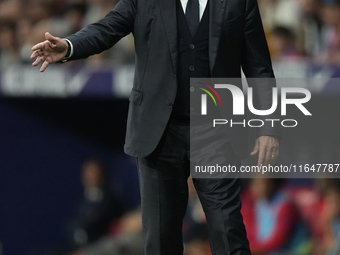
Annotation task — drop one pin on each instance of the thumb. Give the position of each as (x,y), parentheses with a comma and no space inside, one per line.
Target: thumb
(256,148)
(51,38)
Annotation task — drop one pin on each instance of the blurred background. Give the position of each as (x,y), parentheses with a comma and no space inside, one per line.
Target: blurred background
(66,187)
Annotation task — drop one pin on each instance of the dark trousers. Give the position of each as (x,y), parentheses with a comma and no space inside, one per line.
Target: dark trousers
(164,193)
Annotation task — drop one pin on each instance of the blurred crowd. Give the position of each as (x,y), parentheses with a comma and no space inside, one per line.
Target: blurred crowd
(296,29)
(302,30)
(101,225)
(280,218)
(284,219)
(23,23)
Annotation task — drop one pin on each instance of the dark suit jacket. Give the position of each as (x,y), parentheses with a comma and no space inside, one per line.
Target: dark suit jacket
(236,40)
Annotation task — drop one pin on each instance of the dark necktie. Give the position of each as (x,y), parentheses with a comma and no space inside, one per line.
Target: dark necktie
(192,12)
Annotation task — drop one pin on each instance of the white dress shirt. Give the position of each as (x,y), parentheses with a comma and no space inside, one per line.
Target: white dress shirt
(203,4)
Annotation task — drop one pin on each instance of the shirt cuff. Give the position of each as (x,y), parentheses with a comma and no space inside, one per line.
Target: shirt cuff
(71,52)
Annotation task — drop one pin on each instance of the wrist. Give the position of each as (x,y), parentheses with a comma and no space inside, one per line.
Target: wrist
(68,52)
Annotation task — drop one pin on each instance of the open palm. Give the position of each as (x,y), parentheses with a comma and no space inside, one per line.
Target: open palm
(50,51)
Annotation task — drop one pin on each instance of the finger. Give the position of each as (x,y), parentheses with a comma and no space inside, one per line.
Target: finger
(269,155)
(273,161)
(262,155)
(38,60)
(271,158)
(35,54)
(265,156)
(256,149)
(39,46)
(44,66)
(275,153)
(51,38)
(272,153)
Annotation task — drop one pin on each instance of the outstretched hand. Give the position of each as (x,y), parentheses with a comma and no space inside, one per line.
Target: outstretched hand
(50,51)
(268,149)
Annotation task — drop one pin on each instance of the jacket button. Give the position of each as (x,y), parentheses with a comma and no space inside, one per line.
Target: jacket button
(191,68)
(192,46)
(170,105)
(192,89)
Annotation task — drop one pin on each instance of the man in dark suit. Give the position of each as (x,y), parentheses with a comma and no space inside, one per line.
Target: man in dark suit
(176,40)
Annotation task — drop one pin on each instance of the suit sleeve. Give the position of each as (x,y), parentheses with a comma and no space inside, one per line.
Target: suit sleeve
(102,35)
(257,67)
(256,61)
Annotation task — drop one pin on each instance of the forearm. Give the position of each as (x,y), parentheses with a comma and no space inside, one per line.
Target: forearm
(102,35)
(257,66)
(256,62)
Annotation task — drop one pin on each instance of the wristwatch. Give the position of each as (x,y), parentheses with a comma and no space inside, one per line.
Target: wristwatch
(68,53)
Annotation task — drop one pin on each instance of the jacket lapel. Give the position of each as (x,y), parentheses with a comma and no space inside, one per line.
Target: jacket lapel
(168,10)
(217,10)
